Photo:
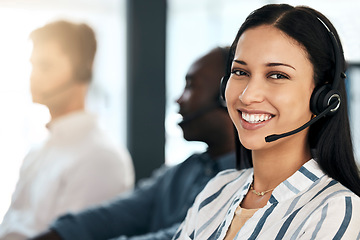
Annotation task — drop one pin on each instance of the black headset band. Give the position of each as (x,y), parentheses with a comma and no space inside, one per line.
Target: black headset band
(337,55)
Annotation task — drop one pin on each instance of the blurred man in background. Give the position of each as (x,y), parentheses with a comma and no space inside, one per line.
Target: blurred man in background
(78,166)
(158,205)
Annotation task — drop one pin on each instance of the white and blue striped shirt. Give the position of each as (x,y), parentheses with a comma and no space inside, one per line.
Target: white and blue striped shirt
(308,205)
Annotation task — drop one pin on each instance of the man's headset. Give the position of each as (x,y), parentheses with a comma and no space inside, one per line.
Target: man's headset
(325,99)
(81,74)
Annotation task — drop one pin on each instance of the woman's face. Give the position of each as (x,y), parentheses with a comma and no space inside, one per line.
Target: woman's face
(269,88)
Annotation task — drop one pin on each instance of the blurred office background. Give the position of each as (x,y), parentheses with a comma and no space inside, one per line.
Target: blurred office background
(145,48)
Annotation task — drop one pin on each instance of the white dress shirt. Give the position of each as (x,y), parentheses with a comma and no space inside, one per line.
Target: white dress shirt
(308,205)
(78,166)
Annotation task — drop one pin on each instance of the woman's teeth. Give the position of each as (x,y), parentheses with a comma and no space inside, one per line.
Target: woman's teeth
(255,118)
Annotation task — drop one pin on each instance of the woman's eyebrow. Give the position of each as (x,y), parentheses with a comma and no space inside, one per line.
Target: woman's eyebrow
(279,64)
(274,64)
(240,62)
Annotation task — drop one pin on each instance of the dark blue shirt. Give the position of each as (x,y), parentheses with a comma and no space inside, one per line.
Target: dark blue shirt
(154,210)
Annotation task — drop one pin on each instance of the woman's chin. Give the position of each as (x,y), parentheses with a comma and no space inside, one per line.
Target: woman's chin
(253,144)
(253,139)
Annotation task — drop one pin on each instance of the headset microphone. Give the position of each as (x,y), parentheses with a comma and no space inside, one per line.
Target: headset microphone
(332,107)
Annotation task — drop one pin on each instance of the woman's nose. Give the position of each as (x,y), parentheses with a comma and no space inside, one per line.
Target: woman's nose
(253,92)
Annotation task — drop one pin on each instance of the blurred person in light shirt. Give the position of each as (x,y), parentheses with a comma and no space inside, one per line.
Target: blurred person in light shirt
(78,165)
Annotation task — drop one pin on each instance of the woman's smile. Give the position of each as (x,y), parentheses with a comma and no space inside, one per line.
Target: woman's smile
(253,121)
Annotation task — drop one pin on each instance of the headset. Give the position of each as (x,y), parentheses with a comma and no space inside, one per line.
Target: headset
(324,95)
(325,99)
(82,74)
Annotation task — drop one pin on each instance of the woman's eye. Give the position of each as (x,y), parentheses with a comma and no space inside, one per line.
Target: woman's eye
(278,76)
(239,73)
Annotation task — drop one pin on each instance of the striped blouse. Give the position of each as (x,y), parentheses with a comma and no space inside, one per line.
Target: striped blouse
(308,205)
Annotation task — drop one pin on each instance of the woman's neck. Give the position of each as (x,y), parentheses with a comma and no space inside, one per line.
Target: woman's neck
(274,165)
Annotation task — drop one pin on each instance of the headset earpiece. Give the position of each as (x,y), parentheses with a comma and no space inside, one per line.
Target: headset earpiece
(322,97)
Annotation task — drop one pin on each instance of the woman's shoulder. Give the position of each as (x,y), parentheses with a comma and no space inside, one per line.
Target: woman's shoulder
(335,211)
(329,192)
(334,188)
(345,195)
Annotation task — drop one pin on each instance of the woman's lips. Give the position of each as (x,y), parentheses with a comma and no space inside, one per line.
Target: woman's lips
(252,121)
(255,118)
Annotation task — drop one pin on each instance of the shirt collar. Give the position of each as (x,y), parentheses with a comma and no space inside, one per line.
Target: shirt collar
(301,180)
(71,124)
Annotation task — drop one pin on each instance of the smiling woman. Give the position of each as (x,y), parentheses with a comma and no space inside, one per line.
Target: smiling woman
(276,74)
(213,23)
(287,67)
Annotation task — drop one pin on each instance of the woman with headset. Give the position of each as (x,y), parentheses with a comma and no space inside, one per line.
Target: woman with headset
(285,94)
